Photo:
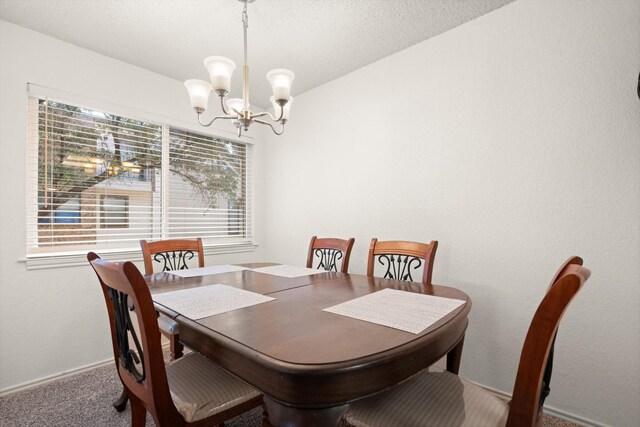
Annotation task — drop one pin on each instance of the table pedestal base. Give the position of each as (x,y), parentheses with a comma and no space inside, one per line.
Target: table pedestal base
(287,416)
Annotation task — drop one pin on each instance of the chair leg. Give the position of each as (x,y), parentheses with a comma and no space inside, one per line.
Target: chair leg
(121,403)
(138,413)
(175,347)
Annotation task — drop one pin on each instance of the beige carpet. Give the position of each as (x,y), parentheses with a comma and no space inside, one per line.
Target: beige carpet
(85,400)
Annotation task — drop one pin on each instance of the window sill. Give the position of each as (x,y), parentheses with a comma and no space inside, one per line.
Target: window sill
(74,259)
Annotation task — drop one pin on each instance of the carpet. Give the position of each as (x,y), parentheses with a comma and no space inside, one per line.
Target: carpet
(85,399)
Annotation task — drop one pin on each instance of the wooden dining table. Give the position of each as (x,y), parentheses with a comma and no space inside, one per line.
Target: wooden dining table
(308,363)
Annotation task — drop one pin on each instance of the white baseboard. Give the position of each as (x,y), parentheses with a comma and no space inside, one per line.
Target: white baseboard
(571,417)
(44,380)
(548,410)
(54,377)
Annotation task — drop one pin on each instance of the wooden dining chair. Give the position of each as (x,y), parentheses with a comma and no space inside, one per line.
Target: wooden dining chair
(444,399)
(402,258)
(172,255)
(192,391)
(329,252)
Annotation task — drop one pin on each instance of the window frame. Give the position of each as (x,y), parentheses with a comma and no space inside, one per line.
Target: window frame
(39,259)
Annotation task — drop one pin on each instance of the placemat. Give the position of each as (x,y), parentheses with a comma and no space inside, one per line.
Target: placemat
(406,311)
(206,271)
(289,271)
(205,301)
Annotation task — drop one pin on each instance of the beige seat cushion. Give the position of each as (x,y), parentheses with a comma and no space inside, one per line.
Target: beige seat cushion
(430,399)
(200,388)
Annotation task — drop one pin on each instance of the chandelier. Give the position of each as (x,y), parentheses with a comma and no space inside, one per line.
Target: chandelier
(220,70)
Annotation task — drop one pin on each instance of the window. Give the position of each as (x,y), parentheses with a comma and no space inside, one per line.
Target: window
(206,175)
(99,180)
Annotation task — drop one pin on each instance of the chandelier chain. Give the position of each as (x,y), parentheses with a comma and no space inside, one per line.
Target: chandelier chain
(245,25)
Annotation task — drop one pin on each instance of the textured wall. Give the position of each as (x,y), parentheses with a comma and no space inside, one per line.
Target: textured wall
(513,140)
(54,320)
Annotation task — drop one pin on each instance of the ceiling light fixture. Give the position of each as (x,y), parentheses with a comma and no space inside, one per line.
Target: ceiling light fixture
(220,69)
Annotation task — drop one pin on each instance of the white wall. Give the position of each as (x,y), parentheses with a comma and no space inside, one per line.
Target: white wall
(54,320)
(513,141)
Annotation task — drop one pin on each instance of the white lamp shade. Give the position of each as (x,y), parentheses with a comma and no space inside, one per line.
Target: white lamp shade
(220,70)
(281,80)
(276,108)
(235,104)
(199,91)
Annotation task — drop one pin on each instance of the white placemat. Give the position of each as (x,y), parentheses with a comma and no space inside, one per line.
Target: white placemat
(402,310)
(205,301)
(289,271)
(206,271)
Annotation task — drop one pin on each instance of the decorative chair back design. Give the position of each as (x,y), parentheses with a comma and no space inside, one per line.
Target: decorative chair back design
(129,358)
(141,370)
(399,268)
(401,259)
(174,260)
(329,252)
(171,254)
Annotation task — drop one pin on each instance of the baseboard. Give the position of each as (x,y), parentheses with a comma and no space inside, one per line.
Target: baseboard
(573,418)
(548,409)
(44,380)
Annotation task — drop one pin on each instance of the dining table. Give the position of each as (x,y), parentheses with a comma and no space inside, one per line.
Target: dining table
(310,363)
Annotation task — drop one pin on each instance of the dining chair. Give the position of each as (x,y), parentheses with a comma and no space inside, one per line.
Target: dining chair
(329,252)
(444,399)
(172,255)
(191,391)
(402,258)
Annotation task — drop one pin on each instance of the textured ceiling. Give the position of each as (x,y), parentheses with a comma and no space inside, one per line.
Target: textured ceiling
(319,40)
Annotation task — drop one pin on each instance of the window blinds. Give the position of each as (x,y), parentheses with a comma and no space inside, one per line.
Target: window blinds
(209,189)
(99,180)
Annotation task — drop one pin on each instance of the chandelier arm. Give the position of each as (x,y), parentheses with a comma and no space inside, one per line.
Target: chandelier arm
(271,126)
(213,120)
(266,113)
(224,110)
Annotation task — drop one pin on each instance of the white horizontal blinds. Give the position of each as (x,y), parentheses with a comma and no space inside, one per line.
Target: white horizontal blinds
(209,194)
(95,178)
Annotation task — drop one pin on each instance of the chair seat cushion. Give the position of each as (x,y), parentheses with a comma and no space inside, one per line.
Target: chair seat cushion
(200,388)
(430,399)
(168,325)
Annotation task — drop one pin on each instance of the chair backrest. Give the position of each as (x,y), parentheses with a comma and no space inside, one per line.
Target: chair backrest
(536,359)
(401,259)
(329,251)
(139,358)
(172,254)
